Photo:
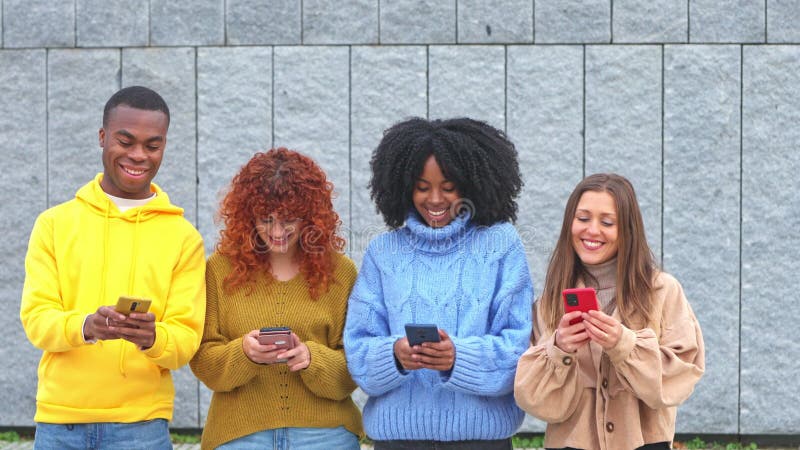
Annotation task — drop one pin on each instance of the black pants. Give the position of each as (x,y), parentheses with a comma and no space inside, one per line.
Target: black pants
(654,446)
(501,444)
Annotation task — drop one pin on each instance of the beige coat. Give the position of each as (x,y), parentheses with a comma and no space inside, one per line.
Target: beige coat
(622,398)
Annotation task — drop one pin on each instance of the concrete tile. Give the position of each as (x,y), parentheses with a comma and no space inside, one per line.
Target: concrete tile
(312,112)
(572,21)
(486,21)
(782,19)
(263,22)
(234,96)
(701,217)
(388,85)
(770,219)
(545,122)
(79,84)
(651,21)
(726,21)
(467,81)
(23,89)
(199,22)
(340,21)
(38,23)
(418,22)
(623,123)
(112,23)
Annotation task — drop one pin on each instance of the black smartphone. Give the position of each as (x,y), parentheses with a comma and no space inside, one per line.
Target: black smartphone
(417,333)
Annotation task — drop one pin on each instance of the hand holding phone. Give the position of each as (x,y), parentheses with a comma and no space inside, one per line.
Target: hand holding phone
(417,333)
(281,337)
(579,299)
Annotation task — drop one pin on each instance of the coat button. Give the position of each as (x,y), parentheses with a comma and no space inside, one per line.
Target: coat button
(567,360)
(604,383)
(609,427)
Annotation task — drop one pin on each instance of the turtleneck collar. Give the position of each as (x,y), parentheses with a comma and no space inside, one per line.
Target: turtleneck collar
(605,273)
(437,240)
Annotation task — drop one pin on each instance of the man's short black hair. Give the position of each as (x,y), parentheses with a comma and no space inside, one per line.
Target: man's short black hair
(477,157)
(138,97)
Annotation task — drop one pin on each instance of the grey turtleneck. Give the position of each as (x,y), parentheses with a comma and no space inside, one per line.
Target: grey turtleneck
(605,283)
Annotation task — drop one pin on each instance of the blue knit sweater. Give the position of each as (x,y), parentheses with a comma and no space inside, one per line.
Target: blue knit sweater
(473,282)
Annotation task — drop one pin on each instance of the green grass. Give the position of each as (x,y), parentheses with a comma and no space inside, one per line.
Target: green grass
(699,444)
(9,436)
(184,438)
(528,442)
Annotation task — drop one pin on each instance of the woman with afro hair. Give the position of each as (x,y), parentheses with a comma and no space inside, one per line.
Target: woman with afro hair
(278,264)
(447,190)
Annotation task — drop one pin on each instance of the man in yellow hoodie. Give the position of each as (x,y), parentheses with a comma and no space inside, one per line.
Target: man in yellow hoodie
(104,376)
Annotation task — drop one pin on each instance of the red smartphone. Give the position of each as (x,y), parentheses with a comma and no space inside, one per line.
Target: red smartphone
(579,299)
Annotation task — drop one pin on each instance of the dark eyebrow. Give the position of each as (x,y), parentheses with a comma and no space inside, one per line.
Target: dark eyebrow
(127,134)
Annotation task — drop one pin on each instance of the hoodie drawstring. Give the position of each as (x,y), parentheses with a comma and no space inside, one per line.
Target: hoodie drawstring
(131,279)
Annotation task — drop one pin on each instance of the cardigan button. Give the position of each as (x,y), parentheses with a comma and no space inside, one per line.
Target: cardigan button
(609,427)
(604,383)
(567,360)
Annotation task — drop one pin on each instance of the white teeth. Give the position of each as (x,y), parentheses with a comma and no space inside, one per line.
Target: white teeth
(592,244)
(132,171)
(437,213)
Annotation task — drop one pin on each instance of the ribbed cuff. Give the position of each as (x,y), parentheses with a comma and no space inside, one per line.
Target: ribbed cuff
(74,330)
(384,373)
(159,343)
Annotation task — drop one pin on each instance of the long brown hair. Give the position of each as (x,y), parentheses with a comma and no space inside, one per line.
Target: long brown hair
(636,265)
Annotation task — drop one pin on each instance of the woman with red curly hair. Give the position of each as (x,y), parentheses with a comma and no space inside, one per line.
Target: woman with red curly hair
(278,264)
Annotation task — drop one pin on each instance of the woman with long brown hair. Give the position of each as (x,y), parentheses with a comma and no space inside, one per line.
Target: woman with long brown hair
(609,378)
(279,265)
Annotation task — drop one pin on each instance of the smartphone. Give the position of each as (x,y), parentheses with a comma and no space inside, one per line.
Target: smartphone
(280,336)
(127,305)
(417,333)
(579,299)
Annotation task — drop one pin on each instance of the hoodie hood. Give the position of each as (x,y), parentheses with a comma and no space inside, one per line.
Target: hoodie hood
(93,196)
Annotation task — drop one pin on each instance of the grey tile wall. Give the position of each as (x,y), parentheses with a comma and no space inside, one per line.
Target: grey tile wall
(24,195)
(701,216)
(770,219)
(79,83)
(782,19)
(651,21)
(487,21)
(234,121)
(726,21)
(312,112)
(623,123)
(467,81)
(263,22)
(199,22)
(545,121)
(572,21)
(389,84)
(418,22)
(112,23)
(38,23)
(340,21)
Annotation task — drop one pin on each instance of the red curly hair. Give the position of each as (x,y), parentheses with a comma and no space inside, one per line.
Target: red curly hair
(290,185)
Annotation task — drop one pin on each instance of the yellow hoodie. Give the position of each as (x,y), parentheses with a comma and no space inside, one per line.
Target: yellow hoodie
(84,254)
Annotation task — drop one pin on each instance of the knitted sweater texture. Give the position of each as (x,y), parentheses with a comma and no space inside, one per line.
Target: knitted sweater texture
(250,397)
(472,282)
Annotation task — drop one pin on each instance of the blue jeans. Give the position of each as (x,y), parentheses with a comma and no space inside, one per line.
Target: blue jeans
(147,435)
(296,439)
